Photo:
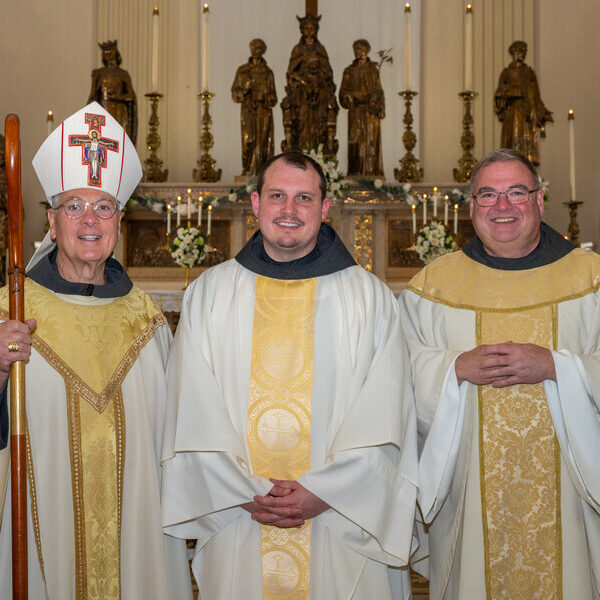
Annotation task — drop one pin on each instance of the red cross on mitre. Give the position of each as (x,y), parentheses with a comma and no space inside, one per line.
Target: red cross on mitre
(94,147)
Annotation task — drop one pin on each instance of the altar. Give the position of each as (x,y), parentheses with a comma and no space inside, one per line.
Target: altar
(376,228)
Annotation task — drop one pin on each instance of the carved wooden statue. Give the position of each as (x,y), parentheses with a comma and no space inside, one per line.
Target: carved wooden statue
(112,88)
(310,107)
(254,88)
(361,93)
(519,105)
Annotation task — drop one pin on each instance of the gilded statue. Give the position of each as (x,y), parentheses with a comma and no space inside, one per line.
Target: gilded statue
(254,88)
(519,105)
(310,107)
(361,93)
(112,88)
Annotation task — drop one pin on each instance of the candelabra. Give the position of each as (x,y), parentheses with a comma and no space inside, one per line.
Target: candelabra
(153,165)
(467,163)
(206,164)
(573,225)
(410,170)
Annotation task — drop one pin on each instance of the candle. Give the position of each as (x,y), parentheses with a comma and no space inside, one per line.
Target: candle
(168,218)
(209,220)
(205,13)
(414,218)
(435,201)
(571,121)
(446,210)
(189,205)
(154,77)
(178,211)
(50,121)
(407,45)
(199,211)
(468,48)
(424,209)
(456,218)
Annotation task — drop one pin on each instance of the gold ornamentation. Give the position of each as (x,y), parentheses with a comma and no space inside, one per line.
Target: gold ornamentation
(251,226)
(573,206)
(206,164)
(519,480)
(363,241)
(279,412)
(13,347)
(153,170)
(410,170)
(467,163)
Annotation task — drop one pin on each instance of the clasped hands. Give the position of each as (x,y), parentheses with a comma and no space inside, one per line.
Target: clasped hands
(288,504)
(505,364)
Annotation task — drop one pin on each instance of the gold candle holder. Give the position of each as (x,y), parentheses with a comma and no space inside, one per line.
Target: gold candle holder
(206,164)
(573,205)
(410,170)
(467,163)
(153,170)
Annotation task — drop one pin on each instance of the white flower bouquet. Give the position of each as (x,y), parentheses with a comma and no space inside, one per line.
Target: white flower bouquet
(336,184)
(432,241)
(187,247)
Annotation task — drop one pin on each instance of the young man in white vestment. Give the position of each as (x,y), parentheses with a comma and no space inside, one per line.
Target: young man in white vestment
(504,341)
(291,457)
(96,348)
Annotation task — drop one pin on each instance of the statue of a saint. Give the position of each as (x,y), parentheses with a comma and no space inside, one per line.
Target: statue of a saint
(361,93)
(519,105)
(112,88)
(310,107)
(254,88)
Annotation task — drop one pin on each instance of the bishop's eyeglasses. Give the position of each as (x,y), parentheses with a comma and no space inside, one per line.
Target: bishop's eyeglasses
(518,195)
(75,208)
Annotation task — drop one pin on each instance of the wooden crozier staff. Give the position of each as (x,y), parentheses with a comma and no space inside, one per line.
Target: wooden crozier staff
(16,274)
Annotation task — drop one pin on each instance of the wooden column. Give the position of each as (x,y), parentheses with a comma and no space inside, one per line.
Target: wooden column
(312,7)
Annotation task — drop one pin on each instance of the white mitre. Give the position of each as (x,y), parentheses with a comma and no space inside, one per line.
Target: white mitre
(91,150)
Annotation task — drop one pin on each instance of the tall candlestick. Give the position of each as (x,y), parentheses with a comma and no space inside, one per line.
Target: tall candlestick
(468,49)
(189,204)
(435,201)
(209,220)
(154,77)
(424,210)
(456,218)
(168,218)
(50,121)
(571,121)
(205,13)
(199,211)
(446,210)
(407,45)
(414,218)
(178,211)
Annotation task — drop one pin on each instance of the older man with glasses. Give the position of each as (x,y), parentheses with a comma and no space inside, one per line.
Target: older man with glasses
(504,339)
(96,348)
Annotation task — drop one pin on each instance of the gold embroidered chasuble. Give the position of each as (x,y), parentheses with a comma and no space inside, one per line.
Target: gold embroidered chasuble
(279,418)
(518,451)
(93,348)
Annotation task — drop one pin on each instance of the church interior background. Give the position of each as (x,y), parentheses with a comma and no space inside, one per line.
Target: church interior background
(48,51)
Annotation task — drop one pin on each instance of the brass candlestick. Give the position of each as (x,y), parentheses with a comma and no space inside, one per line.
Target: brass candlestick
(410,170)
(153,165)
(467,163)
(206,164)
(573,225)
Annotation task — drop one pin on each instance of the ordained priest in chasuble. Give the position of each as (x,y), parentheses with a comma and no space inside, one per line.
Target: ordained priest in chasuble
(504,340)
(95,387)
(290,452)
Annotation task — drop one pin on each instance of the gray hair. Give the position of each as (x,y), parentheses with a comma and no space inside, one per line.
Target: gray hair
(504,155)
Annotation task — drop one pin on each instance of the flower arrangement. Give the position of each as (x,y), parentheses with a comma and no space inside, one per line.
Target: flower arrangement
(336,184)
(433,241)
(187,247)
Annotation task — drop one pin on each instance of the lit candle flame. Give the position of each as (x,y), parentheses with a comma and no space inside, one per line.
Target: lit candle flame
(407,7)
(469,7)
(50,116)
(571,114)
(155,10)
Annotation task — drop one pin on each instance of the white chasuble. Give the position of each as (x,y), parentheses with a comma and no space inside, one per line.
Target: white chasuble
(279,415)
(508,487)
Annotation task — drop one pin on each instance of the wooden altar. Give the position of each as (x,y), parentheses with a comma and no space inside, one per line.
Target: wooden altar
(375,228)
